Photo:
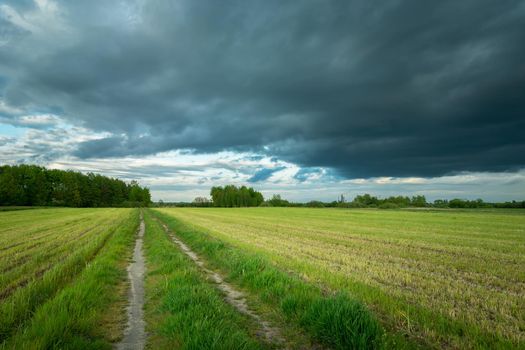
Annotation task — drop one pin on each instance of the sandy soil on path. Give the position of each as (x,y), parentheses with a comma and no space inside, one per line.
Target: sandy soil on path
(135,334)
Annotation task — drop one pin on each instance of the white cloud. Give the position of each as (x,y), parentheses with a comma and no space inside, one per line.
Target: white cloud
(43,145)
(39,120)
(176,176)
(180,176)
(7,109)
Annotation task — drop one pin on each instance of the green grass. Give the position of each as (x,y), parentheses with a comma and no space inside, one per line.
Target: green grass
(33,242)
(437,278)
(345,278)
(183,310)
(63,307)
(336,320)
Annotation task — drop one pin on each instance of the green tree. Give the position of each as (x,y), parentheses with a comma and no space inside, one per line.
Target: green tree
(418,201)
(232,196)
(34,185)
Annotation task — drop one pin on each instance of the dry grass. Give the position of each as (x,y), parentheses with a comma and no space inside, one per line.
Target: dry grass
(114,319)
(445,279)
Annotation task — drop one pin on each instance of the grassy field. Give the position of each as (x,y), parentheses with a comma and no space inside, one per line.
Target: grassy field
(343,279)
(437,278)
(60,273)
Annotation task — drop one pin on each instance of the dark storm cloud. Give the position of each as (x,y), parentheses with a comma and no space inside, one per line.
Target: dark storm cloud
(405,88)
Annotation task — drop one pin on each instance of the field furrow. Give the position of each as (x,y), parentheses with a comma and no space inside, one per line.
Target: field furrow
(32,277)
(86,310)
(21,266)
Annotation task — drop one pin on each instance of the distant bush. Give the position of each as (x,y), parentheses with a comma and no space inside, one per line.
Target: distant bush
(513,204)
(360,201)
(277,201)
(463,203)
(201,202)
(315,204)
(388,206)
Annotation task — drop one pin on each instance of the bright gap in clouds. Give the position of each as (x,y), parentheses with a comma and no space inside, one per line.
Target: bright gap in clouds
(175,176)
(181,175)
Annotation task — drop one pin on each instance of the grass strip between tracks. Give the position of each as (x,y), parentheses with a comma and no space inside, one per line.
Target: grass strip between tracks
(183,309)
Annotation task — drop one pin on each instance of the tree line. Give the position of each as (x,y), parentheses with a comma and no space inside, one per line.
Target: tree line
(31,185)
(232,196)
(419,201)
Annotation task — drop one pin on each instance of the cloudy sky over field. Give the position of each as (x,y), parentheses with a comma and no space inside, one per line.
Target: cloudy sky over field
(308,99)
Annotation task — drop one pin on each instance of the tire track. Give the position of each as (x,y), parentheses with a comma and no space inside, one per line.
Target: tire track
(135,334)
(234,297)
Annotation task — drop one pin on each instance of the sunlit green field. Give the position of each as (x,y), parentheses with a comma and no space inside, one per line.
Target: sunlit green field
(59,269)
(433,279)
(438,278)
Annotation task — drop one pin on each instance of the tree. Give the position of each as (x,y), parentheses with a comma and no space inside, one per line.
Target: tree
(232,196)
(11,192)
(365,200)
(34,185)
(315,204)
(418,201)
(277,201)
(201,202)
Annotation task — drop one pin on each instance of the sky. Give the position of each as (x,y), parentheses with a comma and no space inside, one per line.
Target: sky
(308,99)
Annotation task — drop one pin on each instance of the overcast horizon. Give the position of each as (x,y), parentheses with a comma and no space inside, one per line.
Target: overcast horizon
(308,99)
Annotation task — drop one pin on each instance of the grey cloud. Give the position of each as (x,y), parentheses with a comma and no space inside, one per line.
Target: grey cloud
(8,31)
(304,174)
(4,140)
(401,88)
(264,174)
(32,122)
(104,147)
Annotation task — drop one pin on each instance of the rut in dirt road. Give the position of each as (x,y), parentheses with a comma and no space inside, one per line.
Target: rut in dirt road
(135,334)
(232,296)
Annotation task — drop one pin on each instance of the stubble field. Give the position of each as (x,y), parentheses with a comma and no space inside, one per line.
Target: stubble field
(59,269)
(435,278)
(309,278)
